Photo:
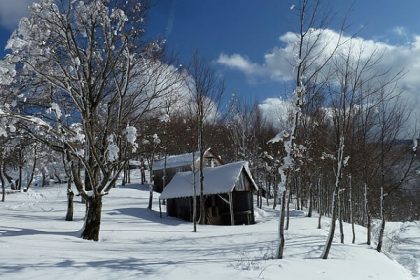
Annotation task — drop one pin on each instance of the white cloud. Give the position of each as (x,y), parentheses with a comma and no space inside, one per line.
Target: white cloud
(238,62)
(278,63)
(276,110)
(11,11)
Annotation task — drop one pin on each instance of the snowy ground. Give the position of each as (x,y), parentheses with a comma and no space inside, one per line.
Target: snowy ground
(36,243)
(402,243)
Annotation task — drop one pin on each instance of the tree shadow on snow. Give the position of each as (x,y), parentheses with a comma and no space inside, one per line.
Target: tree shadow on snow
(147,215)
(17,231)
(135,186)
(129,266)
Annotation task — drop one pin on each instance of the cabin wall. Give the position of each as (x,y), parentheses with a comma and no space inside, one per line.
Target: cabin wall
(244,183)
(218,211)
(158,178)
(243,207)
(180,208)
(170,173)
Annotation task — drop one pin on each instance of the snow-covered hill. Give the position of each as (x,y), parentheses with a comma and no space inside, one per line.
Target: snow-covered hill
(402,243)
(36,243)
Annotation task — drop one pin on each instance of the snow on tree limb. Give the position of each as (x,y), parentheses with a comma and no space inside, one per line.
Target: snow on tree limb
(279,137)
(7,73)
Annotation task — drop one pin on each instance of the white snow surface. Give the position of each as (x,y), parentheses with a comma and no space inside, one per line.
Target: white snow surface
(402,243)
(174,161)
(36,243)
(217,180)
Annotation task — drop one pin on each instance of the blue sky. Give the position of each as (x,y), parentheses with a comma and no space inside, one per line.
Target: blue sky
(245,31)
(252,28)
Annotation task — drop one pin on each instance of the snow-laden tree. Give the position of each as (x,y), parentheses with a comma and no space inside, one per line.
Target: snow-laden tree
(310,61)
(93,68)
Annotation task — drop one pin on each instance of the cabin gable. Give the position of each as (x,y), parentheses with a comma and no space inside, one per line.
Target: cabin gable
(181,163)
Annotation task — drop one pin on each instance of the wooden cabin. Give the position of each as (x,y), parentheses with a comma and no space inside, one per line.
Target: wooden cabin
(228,191)
(180,163)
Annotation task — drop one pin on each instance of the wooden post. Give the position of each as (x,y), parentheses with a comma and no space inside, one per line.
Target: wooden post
(160,209)
(232,219)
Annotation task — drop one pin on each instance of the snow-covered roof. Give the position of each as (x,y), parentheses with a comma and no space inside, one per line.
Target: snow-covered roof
(176,161)
(134,162)
(181,160)
(217,180)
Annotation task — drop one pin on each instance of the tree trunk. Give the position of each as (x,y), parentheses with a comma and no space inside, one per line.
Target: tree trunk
(19,182)
(124,180)
(289,195)
(70,195)
(143,175)
(44,179)
(160,209)
(93,218)
(201,167)
(232,216)
(310,201)
(340,218)
(3,184)
(258,197)
(353,240)
(369,223)
(280,249)
(90,161)
(319,219)
(381,235)
(320,205)
(275,192)
(8,178)
(194,195)
(382,228)
(142,171)
(150,197)
(164,170)
(332,228)
(31,177)
(330,238)
(297,194)
(152,181)
(369,229)
(202,202)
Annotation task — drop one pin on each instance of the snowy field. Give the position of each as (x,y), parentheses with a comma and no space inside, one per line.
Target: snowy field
(36,243)
(402,243)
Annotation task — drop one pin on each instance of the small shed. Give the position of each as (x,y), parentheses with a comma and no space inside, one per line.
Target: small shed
(228,191)
(179,163)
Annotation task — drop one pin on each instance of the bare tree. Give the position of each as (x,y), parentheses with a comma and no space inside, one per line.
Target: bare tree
(308,65)
(92,56)
(391,116)
(206,90)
